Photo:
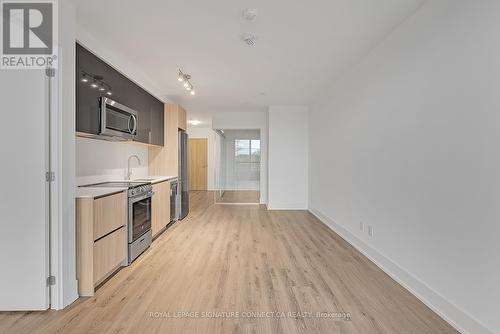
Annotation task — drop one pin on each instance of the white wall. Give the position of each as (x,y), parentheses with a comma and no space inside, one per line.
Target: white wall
(408,141)
(210,135)
(99,161)
(248,120)
(288,157)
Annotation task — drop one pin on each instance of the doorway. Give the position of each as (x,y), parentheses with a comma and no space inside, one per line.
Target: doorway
(198,163)
(239,156)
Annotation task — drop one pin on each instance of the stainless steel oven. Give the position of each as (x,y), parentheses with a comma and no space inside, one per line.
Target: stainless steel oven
(139,220)
(117,120)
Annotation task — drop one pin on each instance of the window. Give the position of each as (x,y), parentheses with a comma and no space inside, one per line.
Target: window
(247,162)
(247,150)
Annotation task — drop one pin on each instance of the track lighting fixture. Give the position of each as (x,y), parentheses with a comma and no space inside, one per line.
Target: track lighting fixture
(96,81)
(183,77)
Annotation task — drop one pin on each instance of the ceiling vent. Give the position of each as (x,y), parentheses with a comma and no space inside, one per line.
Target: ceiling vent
(250,14)
(249,39)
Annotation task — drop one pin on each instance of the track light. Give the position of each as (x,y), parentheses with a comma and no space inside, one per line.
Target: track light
(96,81)
(183,77)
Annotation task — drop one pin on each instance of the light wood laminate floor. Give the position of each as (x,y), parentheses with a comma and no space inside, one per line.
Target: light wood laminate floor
(239,196)
(248,260)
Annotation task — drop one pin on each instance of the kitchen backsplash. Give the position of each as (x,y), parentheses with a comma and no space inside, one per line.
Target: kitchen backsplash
(99,161)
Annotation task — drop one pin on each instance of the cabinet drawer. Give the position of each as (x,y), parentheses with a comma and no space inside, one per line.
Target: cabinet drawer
(110,212)
(109,252)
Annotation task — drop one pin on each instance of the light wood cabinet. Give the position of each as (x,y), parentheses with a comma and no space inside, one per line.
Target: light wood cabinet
(109,253)
(160,211)
(109,214)
(101,239)
(165,160)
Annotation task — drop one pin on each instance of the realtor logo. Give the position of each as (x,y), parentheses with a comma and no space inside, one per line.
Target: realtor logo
(28,34)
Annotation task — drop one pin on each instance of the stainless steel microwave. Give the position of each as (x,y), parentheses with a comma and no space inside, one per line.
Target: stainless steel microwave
(117,120)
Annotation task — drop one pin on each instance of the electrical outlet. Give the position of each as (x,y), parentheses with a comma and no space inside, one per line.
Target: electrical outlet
(370,231)
(362,226)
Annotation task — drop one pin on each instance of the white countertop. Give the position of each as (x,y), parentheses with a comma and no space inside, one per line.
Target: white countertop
(89,192)
(93,192)
(156,179)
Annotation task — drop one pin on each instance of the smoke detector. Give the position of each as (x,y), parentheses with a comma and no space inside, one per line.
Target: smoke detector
(249,39)
(250,14)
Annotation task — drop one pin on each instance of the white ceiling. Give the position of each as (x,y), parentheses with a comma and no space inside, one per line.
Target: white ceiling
(301,45)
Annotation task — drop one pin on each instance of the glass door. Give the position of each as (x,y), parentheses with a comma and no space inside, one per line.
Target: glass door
(141,217)
(238,167)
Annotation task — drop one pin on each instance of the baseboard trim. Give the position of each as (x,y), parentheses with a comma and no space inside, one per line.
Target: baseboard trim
(454,315)
(284,208)
(281,206)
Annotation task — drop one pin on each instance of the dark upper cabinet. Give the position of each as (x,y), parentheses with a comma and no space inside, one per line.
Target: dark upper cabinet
(150,126)
(157,123)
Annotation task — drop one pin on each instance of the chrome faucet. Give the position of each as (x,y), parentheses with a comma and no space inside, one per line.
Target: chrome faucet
(129,172)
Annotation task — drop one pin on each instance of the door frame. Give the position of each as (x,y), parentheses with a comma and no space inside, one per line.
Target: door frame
(62,221)
(54,186)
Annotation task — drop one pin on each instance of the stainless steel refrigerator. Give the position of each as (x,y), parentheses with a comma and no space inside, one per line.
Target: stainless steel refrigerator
(183,186)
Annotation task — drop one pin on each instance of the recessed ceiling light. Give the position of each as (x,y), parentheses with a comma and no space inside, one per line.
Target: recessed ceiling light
(194,122)
(250,14)
(192,92)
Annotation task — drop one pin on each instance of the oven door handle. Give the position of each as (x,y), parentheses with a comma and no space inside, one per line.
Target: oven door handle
(141,197)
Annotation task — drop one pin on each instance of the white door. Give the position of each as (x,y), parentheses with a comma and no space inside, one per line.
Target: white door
(24,191)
